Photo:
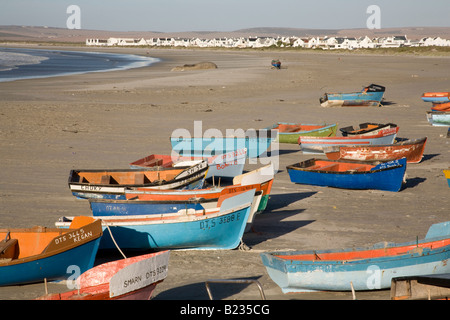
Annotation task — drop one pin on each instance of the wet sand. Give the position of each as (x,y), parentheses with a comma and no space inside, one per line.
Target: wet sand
(107,120)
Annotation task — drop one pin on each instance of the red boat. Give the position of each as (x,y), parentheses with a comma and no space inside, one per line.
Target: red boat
(132,278)
(411,149)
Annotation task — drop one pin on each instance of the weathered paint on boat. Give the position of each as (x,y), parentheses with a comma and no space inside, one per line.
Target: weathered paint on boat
(438,118)
(199,230)
(316,145)
(447,175)
(34,254)
(387,176)
(369,96)
(289,132)
(367,128)
(133,278)
(436,96)
(227,165)
(257,142)
(412,150)
(362,268)
(111,184)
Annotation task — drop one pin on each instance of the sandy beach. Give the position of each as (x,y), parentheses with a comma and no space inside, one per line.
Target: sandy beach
(109,119)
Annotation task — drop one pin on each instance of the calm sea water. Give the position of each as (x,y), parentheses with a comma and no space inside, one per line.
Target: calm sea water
(16,64)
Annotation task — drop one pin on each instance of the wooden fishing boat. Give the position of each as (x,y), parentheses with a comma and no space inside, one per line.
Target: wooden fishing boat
(148,202)
(436,96)
(31,255)
(227,165)
(412,150)
(369,96)
(387,176)
(132,278)
(438,118)
(442,106)
(369,268)
(447,175)
(257,142)
(204,229)
(316,145)
(368,128)
(111,184)
(289,132)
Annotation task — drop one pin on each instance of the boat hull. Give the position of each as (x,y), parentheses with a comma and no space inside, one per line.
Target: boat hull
(439,119)
(256,144)
(74,248)
(227,165)
(315,130)
(370,96)
(213,231)
(370,268)
(386,176)
(437,97)
(447,176)
(316,145)
(412,150)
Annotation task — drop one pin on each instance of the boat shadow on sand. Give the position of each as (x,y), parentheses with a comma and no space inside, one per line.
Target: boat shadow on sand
(218,290)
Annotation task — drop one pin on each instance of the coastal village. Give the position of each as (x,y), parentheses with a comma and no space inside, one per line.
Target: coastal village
(325,43)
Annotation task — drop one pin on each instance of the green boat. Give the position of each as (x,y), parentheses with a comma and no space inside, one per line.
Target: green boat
(290,132)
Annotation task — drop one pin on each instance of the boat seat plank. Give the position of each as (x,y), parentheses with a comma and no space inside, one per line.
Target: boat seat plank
(154,162)
(8,249)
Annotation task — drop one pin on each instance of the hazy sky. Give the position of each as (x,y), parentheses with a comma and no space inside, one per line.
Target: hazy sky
(224,15)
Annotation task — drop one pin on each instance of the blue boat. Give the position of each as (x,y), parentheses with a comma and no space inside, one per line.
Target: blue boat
(31,255)
(387,176)
(436,97)
(257,142)
(214,229)
(370,268)
(112,184)
(369,96)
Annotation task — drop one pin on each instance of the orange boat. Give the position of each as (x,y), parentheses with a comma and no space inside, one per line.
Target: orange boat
(30,255)
(443,107)
(411,149)
(132,278)
(436,96)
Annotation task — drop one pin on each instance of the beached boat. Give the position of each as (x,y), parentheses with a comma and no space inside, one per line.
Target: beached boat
(276,64)
(200,230)
(31,255)
(316,145)
(257,142)
(289,132)
(369,96)
(447,175)
(443,107)
(387,176)
(412,150)
(111,184)
(368,128)
(438,118)
(227,165)
(436,96)
(148,202)
(132,278)
(360,268)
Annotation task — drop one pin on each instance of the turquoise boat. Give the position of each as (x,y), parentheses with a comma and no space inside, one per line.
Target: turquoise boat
(369,96)
(370,268)
(31,255)
(220,228)
(257,142)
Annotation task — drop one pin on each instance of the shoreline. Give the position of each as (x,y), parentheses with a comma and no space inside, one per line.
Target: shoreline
(109,119)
